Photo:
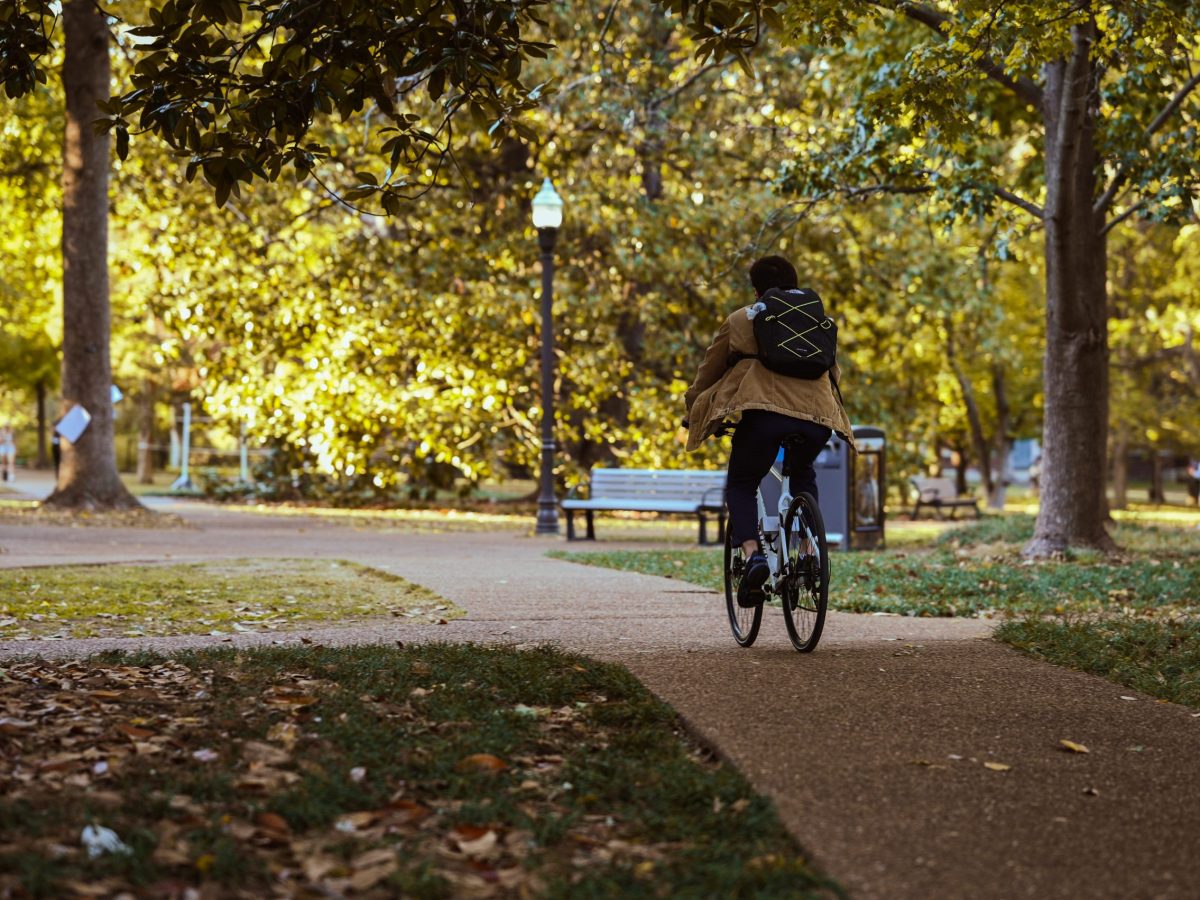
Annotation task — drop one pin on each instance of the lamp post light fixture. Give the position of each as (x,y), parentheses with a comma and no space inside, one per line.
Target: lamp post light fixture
(547,217)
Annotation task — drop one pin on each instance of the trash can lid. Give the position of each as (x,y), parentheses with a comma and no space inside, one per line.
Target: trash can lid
(868,431)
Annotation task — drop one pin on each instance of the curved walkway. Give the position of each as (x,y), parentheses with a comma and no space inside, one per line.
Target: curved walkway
(873,748)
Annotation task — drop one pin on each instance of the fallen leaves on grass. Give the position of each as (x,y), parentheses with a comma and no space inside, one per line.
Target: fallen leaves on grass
(32,513)
(182,773)
(481,762)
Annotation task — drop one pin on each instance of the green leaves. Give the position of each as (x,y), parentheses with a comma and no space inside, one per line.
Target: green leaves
(244,84)
(25,30)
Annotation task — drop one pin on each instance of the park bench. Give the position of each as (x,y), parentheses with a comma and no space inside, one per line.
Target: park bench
(695,492)
(940,494)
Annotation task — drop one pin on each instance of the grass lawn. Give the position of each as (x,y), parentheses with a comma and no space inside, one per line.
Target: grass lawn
(204,598)
(1157,657)
(432,771)
(974,570)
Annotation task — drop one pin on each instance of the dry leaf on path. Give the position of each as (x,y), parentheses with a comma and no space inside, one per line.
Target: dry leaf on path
(1073,747)
(997,767)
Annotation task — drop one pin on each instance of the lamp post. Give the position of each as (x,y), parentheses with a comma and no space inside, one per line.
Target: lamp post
(547,216)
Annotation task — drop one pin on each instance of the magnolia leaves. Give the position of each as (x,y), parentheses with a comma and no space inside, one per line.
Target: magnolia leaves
(240,89)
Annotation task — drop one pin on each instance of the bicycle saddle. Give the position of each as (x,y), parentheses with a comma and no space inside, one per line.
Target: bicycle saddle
(790,445)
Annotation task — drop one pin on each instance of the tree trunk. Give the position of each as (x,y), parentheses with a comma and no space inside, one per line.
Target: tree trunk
(1157,493)
(88,474)
(960,470)
(43,455)
(974,419)
(1074,441)
(145,456)
(1121,467)
(997,496)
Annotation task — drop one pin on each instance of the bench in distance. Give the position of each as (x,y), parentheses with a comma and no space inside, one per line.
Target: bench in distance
(939,494)
(695,492)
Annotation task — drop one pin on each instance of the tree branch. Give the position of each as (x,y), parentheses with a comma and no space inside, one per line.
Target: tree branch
(1030,207)
(887,189)
(1023,87)
(1110,193)
(23,170)
(1003,193)
(1122,217)
(688,82)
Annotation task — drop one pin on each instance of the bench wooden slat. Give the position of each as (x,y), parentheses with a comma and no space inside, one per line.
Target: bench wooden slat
(664,506)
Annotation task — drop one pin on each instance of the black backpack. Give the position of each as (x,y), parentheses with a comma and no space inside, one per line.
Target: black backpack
(794,336)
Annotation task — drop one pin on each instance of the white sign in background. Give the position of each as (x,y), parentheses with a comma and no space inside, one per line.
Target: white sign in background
(74,423)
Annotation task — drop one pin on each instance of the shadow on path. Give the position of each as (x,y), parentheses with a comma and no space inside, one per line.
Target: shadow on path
(855,743)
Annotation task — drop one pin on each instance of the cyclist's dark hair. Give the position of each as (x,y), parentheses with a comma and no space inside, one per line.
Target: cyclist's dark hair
(772,272)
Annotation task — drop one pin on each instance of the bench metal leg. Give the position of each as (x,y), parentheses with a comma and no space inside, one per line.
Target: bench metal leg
(570,524)
(591,525)
(703,529)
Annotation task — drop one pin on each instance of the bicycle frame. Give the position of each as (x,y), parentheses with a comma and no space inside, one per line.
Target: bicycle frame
(770,528)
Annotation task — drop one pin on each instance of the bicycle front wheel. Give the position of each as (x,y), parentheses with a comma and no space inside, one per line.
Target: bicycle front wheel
(806,582)
(743,620)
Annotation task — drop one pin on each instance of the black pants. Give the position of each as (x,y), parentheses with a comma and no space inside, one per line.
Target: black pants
(756,443)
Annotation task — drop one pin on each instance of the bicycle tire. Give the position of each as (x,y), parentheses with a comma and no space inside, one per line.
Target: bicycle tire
(806,587)
(744,621)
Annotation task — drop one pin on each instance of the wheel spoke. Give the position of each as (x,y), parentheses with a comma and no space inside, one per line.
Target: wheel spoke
(743,621)
(807,586)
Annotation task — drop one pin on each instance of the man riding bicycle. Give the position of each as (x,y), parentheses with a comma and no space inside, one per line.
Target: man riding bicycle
(732,386)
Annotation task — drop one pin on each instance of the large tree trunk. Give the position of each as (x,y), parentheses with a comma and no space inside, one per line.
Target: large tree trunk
(43,456)
(88,477)
(1075,434)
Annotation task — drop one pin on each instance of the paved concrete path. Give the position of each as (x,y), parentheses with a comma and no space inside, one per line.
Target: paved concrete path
(872,748)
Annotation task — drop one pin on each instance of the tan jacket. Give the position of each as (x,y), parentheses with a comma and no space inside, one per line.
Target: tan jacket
(720,393)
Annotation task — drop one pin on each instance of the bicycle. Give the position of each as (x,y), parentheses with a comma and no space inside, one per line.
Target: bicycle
(798,556)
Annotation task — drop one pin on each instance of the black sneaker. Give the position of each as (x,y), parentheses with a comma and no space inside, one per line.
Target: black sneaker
(750,592)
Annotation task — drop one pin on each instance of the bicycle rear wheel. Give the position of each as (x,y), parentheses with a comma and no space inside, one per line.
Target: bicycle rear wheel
(743,620)
(806,583)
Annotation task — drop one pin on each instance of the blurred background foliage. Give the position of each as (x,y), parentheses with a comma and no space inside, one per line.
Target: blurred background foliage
(378,355)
